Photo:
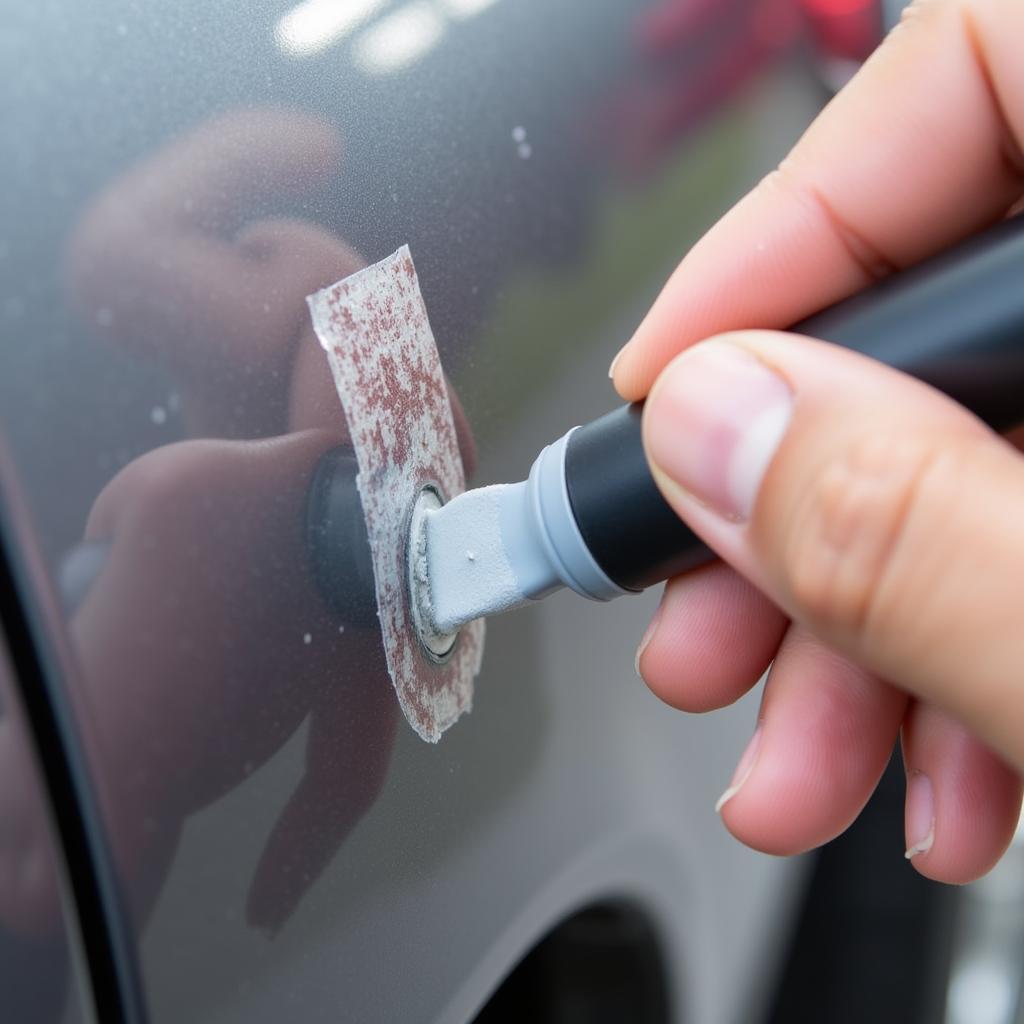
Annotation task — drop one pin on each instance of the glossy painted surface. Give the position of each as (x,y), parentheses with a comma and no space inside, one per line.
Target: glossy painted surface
(179,177)
(41,973)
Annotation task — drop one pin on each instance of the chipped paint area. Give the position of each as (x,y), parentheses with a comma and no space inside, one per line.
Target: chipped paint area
(374,329)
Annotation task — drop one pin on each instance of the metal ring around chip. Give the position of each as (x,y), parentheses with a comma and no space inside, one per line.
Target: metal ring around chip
(437,647)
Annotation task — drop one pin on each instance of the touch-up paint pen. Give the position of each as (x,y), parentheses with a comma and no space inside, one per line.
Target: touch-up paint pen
(590,517)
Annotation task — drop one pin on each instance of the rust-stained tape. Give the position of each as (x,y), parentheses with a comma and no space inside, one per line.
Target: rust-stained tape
(374,329)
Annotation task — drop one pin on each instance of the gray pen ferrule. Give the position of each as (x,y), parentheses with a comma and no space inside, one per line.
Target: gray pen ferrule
(551,519)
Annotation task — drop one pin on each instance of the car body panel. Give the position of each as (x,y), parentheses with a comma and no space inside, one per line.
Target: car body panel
(43,969)
(180,180)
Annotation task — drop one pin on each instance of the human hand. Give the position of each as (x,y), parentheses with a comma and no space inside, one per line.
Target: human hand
(187,261)
(877,522)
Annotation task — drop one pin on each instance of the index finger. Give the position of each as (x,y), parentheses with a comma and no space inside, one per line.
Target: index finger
(228,165)
(922,148)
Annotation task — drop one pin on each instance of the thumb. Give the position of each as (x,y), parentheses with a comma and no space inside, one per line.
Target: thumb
(873,509)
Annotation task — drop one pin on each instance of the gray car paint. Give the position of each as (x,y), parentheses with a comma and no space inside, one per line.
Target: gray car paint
(413,877)
(42,963)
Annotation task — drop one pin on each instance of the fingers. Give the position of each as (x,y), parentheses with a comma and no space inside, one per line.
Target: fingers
(871,508)
(905,553)
(922,148)
(963,802)
(227,165)
(204,525)
(162,265)
(351,735)
(825,733)
(712,638)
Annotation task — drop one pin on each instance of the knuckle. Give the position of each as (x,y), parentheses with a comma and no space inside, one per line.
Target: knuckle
(851,528)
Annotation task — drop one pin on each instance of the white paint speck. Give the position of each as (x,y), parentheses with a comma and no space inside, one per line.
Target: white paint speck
(307,638)
(525,151)
(158,414)
(471,555)
(519,133)
(341,629)
(923,846)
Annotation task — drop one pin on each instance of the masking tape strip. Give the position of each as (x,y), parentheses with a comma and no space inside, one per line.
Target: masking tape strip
(374,329)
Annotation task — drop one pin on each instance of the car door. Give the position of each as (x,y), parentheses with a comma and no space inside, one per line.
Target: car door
(266,836)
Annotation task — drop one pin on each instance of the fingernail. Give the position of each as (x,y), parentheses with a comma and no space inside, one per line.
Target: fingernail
(920,815)
(743,770)
(713,423)
(645,640)
(615,362)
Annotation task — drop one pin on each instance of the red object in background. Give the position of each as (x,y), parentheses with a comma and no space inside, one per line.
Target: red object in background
(846,30)
(696,55)
(672,23)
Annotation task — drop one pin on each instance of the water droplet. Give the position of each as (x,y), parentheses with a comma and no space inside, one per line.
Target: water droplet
(519,133)
(307,638)
(158,414)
